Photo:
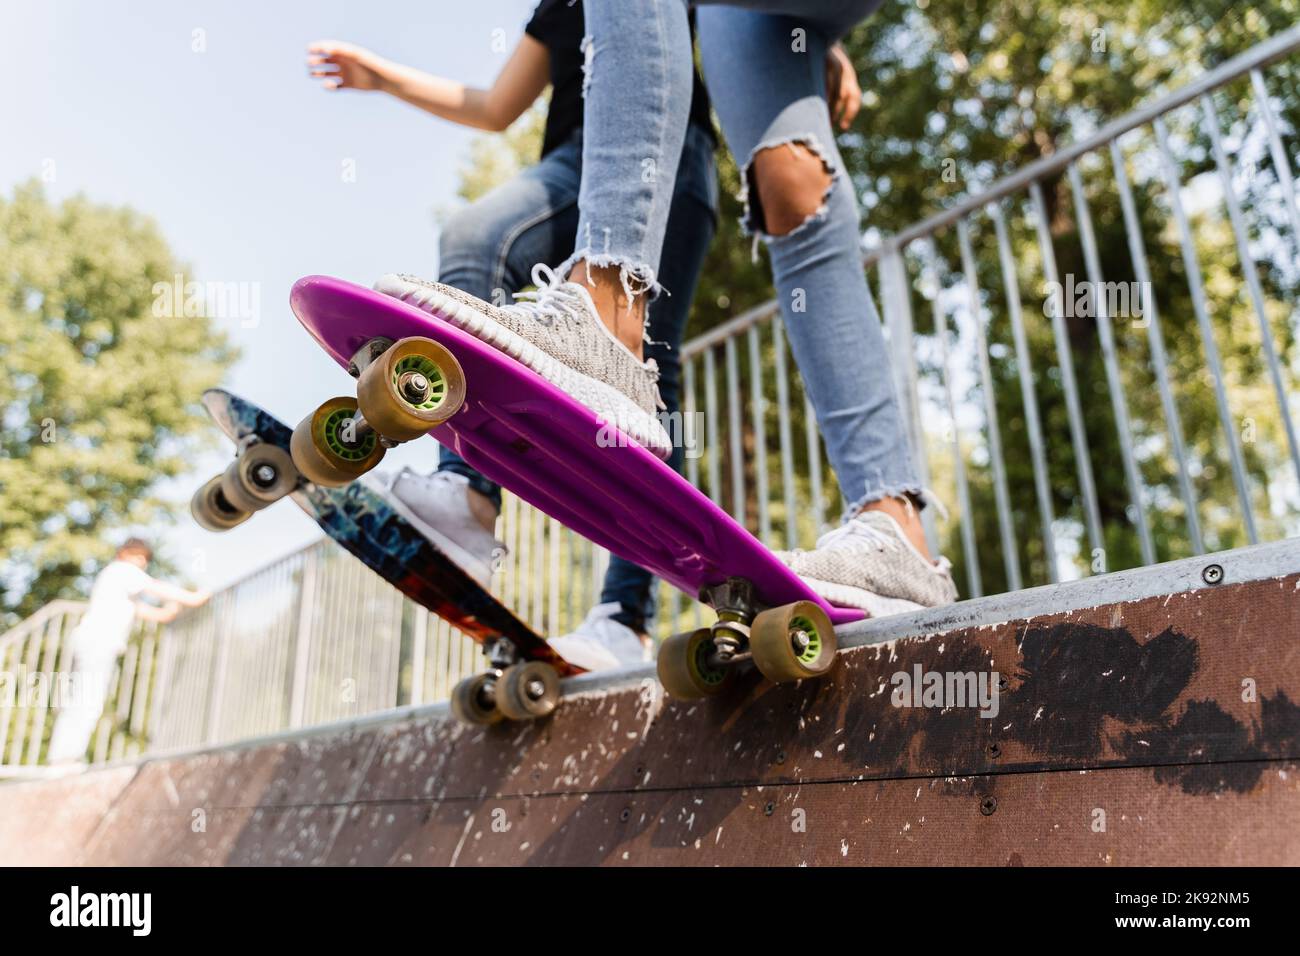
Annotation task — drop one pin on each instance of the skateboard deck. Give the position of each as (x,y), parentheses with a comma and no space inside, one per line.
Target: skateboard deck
(530,437)
(368,526)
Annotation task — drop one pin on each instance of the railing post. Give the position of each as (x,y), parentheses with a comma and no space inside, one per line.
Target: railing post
(302,639)
(217,688)
(897,308)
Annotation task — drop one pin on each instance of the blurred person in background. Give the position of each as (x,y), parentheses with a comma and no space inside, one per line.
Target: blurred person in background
(101,637)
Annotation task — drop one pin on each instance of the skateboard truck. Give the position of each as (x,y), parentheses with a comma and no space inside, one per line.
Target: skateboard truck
(413,385)
(260,475)
(512,689)
(734,602)
(786,643)
(404,389)
(501,653)
(364,356)
(353,435)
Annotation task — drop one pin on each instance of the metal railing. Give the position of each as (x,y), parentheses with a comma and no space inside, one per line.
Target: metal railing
(35,663)
(1065,444)
(317,637)
(1148,142)
(958,418)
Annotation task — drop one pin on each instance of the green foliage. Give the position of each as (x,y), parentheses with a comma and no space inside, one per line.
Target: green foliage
(977,90)
(495,158)
(99,401)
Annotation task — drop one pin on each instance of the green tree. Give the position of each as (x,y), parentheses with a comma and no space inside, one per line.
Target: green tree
(960,95)
(98,403)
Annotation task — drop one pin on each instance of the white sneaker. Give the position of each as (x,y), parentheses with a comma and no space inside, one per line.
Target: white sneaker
(868,563)
(556,332)
(601,643)
(438,505)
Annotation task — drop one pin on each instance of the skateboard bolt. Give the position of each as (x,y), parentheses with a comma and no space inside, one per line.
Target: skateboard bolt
(535,689)
(264,475)
(415,387)
(801,640)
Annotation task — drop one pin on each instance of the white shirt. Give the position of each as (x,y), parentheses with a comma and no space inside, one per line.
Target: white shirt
(106,625)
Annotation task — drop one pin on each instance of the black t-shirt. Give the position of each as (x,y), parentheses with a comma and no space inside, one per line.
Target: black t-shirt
(558,25)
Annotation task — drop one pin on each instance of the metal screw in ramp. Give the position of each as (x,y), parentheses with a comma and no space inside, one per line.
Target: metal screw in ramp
(989,806)
(1212,574)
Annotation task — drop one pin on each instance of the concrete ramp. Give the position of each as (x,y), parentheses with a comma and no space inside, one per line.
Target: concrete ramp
(1146,717)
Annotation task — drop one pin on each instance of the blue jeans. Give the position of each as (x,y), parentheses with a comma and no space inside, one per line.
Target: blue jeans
(765,69)
(488,249)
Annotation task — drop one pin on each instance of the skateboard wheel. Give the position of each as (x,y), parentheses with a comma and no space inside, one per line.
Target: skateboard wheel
(528,691)
(413,386)
(473,700)
(321,448)
(792,642)
(212,511)
(260,476)
(684,668)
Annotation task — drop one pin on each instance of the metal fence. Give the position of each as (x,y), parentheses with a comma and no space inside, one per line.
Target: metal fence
(1133,163)
(35,662)
(1065,444)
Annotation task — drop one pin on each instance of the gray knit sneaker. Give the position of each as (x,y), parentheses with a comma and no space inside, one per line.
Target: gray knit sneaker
(556,332)
(868,563)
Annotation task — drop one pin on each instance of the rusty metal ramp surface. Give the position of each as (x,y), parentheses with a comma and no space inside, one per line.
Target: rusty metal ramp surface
(1145,717)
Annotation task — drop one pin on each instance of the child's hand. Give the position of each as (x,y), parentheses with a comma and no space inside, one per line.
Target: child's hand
(343,66)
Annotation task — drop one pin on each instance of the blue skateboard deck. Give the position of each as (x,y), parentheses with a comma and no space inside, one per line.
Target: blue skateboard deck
(369,527)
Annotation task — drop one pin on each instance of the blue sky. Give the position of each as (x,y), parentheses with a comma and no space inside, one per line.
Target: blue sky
(240,159)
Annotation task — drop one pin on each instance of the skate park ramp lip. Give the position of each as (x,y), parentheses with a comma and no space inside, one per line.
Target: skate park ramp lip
(1119,699)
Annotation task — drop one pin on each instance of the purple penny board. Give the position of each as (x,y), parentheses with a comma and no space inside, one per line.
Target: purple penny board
(530,437)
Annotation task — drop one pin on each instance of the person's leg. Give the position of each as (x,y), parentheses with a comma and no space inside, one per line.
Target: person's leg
(485,248)
(638,88)
(92,675)
(691,224)
(800,202)
(636,100)
(486,251)
(585,335)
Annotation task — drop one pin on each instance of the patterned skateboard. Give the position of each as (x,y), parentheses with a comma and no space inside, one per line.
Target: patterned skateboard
(523,681)
(419,373)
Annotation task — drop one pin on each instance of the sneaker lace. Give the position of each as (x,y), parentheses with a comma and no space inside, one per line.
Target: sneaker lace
(552,298)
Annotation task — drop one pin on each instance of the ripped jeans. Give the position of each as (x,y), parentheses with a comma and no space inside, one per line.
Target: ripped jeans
(488,248)
(765,71)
